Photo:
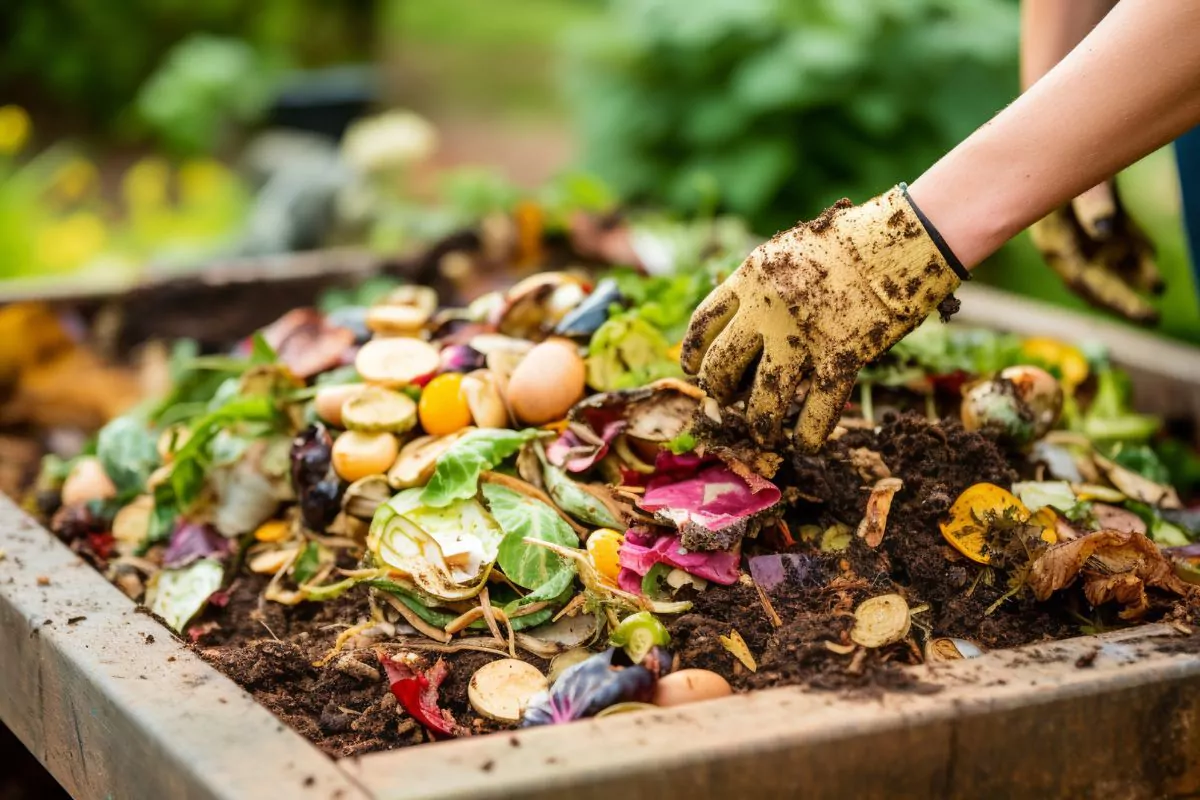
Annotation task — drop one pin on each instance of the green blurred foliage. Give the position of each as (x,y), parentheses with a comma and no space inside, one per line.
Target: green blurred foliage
(781,107)
(87,58)
(204,83)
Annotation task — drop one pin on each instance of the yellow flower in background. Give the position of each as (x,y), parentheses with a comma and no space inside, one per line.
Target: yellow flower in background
(144,186)
(203,180)
(74,179)
(15,128)
(70,242)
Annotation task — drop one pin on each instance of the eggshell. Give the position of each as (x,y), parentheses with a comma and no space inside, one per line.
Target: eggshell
(330,399)
(690,686)
(547,382)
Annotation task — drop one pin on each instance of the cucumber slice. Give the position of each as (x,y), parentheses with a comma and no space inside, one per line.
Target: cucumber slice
(374,409)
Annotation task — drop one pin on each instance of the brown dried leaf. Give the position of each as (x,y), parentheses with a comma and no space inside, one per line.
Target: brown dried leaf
(879,504)
(1114,566)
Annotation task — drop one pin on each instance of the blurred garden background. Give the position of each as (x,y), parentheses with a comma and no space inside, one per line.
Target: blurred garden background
(143,136)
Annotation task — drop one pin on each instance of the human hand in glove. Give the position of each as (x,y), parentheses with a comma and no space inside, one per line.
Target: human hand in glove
(819,301)
(1101,254)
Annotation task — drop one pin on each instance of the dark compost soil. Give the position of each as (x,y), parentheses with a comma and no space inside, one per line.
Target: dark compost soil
(346,709)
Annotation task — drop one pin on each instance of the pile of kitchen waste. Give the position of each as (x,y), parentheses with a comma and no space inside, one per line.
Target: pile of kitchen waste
(397,522)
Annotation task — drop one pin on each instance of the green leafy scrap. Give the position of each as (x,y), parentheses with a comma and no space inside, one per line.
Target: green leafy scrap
(522,517)
(458,469)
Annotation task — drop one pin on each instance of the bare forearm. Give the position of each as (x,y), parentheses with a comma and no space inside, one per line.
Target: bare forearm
(1051,28)
(1131,86)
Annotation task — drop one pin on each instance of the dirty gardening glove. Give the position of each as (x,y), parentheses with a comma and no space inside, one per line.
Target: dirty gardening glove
(1101,254)
(819,301)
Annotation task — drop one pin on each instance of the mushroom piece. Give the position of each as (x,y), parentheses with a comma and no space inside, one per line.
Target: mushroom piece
(485,399)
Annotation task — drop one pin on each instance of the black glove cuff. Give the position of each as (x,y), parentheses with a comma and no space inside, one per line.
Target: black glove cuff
(938,241)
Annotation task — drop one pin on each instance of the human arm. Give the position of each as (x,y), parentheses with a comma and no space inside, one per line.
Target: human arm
(1092,243)
(1131,86)
(816,305)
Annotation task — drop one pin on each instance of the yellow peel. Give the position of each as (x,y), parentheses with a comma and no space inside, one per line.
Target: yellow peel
(736,645)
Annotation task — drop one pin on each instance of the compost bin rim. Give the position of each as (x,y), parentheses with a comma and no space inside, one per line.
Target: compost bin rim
(114,706)
(537,762)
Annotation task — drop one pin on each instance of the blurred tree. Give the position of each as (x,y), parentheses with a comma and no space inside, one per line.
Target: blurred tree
(776,108)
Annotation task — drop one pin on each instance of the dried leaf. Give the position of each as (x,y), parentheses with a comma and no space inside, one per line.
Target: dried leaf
(1114,566)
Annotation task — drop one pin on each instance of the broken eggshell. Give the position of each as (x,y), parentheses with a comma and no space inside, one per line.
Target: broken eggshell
(945,648)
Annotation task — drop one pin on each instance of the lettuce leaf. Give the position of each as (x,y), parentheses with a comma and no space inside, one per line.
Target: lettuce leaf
(529,566)
(128,452)
(458,469)
(178,595)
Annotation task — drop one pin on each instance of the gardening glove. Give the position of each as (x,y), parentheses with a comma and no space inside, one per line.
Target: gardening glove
(1101,254)
(819,301)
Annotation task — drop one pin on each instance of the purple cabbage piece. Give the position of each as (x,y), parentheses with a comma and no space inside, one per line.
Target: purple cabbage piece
(591,686)
(1184,550)
(642,549)
(191,541)
(570,452)
(771,570)
(708,502)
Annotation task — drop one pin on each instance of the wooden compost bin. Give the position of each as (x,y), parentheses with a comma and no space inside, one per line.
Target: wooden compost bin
(115,707)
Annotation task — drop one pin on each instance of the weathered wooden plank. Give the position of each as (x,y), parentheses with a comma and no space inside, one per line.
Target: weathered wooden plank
(1109,716)
(115,707)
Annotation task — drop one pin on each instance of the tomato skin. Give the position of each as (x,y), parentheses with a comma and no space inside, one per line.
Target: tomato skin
(443,407)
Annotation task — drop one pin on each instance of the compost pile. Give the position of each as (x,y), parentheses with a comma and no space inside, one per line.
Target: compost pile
(397,522)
